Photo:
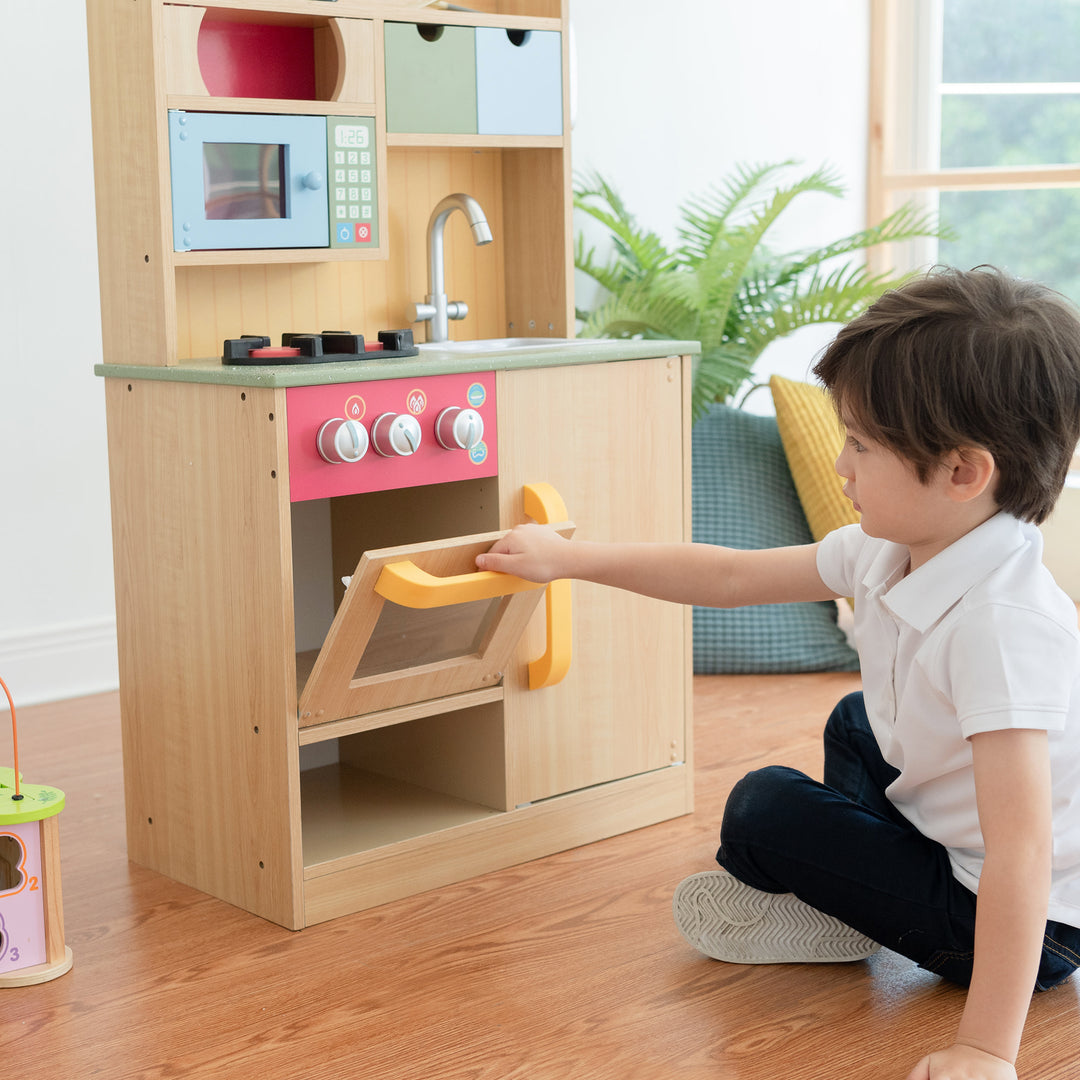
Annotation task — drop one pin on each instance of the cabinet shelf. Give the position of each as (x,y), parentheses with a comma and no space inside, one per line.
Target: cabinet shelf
(197,103)
(403,12)
(347,811)
(402,714)
(490,142)
(260,256)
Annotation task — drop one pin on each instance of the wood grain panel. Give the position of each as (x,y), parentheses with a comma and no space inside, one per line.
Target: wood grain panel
(619,463)
(201,544)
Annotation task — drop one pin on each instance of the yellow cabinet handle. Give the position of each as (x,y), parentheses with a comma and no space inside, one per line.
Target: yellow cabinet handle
(545,505)
(406,584)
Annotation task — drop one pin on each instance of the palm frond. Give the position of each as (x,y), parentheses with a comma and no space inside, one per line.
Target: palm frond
(639,251)
(642,310)
(906,223)
(611,276)
(836,297)
(723,286)
(718,371)
(743,201)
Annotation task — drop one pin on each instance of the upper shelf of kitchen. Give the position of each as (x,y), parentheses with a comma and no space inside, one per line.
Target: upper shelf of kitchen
(473,78)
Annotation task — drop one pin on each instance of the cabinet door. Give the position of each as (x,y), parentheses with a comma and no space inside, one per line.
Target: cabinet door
(612,439)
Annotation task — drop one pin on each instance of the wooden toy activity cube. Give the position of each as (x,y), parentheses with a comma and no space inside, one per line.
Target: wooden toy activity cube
(32,948)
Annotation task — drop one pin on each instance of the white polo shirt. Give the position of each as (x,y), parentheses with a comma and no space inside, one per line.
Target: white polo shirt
(980,638)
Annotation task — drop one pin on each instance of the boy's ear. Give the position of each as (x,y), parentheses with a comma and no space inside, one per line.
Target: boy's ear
(972,472)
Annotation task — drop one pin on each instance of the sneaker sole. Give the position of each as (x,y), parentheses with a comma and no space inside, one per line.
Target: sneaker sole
(724,919)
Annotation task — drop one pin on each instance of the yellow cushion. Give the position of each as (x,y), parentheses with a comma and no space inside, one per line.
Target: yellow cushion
(812,438)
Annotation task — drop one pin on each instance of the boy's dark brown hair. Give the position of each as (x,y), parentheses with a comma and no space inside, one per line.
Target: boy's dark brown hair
(960,359)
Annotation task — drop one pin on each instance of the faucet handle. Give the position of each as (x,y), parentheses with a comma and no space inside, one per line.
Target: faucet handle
(421,312)
(457,309)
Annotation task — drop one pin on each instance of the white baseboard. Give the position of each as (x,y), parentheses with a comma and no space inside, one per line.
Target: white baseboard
(60,662)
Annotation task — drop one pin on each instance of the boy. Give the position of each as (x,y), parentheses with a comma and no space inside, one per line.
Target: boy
(955,773)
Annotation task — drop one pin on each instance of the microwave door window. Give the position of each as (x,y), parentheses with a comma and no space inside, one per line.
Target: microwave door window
(244,181)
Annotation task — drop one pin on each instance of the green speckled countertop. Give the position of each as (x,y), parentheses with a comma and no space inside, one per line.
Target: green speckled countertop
(431,361)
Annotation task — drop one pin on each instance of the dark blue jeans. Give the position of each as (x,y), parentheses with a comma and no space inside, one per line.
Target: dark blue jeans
(844,849)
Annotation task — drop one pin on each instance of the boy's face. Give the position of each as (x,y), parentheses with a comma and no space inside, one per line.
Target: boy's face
(895,505)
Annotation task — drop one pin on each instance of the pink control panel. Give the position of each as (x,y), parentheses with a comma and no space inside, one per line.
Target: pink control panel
(349,438)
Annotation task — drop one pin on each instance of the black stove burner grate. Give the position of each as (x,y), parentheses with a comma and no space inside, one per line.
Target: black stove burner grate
(328,347)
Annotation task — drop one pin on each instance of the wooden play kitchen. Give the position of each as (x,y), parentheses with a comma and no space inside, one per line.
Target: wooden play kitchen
(325,707)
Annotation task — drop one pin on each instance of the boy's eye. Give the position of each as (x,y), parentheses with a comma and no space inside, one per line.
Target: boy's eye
(855,444)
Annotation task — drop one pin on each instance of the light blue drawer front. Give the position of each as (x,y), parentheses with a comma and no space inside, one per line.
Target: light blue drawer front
(271,169)
(519,86)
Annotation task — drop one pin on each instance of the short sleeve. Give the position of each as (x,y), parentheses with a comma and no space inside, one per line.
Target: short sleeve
(838,558)
(1011,667)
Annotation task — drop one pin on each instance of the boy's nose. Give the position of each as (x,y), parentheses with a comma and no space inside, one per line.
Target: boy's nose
(841,464)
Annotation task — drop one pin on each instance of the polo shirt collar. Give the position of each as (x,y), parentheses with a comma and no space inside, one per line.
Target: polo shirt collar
(921,598)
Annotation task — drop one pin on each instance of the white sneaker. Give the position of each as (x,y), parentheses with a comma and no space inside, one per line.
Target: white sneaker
(727,920)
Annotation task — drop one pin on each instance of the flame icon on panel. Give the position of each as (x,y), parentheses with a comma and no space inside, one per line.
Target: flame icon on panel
(416,402)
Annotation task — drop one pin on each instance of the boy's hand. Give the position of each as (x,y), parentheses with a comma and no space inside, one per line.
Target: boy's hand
(533,552)
(960,1062)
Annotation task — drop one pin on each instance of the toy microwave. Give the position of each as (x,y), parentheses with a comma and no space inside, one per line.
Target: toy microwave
(263,181)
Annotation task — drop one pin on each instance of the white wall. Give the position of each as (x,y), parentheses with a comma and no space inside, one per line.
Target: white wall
(663,111)
(57,626)
(666,106)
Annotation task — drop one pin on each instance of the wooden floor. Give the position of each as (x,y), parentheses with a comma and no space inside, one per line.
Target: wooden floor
(568,967)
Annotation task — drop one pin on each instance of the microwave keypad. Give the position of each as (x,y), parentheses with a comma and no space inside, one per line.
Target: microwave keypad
(351,176)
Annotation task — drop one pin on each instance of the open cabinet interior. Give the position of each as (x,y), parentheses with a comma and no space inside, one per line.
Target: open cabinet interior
(402,781)
(329,537)
(407,775)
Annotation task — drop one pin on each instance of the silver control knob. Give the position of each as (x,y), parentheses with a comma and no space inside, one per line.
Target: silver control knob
(459,429)
(395,435)
(342,441)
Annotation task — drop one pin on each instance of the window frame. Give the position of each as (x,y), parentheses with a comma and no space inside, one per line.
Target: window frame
(904,132)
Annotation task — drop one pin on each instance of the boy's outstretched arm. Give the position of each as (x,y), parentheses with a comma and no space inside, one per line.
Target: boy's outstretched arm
(1012,786)
(682,573)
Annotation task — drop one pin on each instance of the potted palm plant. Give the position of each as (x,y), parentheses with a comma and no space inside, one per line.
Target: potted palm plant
(722,285)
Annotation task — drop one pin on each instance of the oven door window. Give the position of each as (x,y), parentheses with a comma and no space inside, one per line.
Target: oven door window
(409,637)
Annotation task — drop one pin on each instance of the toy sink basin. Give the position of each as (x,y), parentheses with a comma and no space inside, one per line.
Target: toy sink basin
(510,344)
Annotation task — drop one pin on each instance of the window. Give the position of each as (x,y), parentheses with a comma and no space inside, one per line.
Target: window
(975,113)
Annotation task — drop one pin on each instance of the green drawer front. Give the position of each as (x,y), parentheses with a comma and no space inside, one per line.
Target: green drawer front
(430,85)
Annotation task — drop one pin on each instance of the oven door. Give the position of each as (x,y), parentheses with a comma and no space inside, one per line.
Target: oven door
(418,622)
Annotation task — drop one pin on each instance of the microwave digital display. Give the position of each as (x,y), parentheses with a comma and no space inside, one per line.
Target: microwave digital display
(243,180)
(253,180)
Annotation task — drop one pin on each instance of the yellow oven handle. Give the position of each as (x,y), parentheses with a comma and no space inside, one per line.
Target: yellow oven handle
(406,584)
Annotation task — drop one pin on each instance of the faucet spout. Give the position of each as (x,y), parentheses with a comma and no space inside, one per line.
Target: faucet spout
(437,310)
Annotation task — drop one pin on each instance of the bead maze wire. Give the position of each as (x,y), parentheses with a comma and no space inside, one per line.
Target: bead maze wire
(14,740)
